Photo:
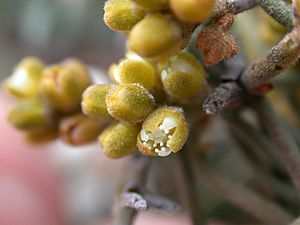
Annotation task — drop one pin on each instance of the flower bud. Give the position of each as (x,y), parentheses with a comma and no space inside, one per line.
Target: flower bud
(26,77)
(122,15)
(156,36)
(134,70)
(152,4)
(119,139)
(93,101)
(192,11)
(130,103)
(182,76)
(62,85)
(28,114)
(79,129)
(164,131)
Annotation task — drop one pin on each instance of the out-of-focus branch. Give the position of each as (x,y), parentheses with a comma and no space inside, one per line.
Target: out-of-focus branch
(282,138)
(243,197)
(279,10)
(135,176)
(224,7)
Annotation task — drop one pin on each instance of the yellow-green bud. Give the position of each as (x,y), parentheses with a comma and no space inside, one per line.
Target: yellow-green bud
(192,11)
(93,101)
(62,85)
(156,36)
(134,70)
(79,129)
(26,77)
(28,114)
(119,139)
(153,4)
(164,131)
(129,103)
(182,76)
(122,15)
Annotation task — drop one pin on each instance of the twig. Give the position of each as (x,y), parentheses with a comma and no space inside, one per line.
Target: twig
(224,96)
(243,197)
(146,200)
(283,140)
(279,58)
(279,10)
(224,7)
(135,176)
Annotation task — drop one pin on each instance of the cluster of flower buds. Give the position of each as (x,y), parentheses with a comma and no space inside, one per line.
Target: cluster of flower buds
(156,29)
(48,101)
(155,73)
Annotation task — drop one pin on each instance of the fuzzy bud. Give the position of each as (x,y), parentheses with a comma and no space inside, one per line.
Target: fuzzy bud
(93,101)
(152,4)
(62,85)
(182,76)
(134,70)
(28,114)
(192,11)
(79,129)
(119,139)
(122,15)
(129,103)
(156,36)
(26,77)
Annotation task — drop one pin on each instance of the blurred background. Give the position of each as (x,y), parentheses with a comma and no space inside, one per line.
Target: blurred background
(54,30)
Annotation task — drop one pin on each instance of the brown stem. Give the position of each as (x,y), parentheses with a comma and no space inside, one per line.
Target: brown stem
(243,197)
(224,7)
(279,58)
(282,138)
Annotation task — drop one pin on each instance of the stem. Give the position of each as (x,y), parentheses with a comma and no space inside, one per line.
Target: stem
(243,197)
(136,173)
(192,188)
(279,58)
(223,7)
(279,10)
(283,139)
(224,96)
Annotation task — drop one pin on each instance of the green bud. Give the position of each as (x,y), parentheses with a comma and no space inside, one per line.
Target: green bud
(62,85)
(79,129)
(119,139)
(156,36)
(182,76)
(130,103)
(28,114)
(122,15)
(134,70)
(26,77)
(192,11)
(164,131)
(152,4)
(93,101)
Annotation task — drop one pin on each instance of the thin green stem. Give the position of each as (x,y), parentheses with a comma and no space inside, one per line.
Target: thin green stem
(279,10)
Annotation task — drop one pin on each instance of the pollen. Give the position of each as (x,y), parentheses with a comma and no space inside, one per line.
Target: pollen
(158,140)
